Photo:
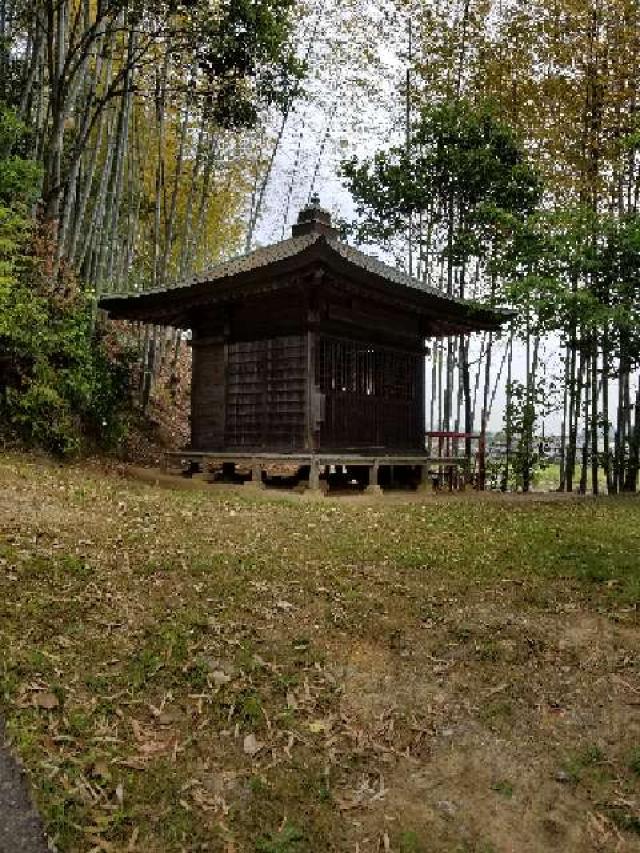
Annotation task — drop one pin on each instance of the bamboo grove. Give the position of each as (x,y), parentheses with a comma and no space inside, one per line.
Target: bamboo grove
(501,161)
(142,118)
(518,182)
(135,109)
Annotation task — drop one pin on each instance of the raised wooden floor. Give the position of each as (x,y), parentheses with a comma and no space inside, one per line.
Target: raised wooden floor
(426,467)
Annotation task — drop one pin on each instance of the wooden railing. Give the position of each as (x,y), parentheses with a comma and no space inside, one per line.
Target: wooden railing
(456,469)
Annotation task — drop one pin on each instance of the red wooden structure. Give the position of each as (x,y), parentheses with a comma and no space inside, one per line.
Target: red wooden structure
(452,468)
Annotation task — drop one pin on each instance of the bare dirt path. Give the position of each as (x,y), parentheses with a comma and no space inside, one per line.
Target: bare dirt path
(20,827)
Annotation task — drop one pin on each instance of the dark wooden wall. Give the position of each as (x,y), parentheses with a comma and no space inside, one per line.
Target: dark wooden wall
(309,368)
(208,394)
(373,396)
(270,315)
(267,393)
(250,369)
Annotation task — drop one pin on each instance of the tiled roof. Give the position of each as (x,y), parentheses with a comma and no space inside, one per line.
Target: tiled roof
(234,266)
(293,246)
(267,255)
(373,265)
(314,241)
(123,304)
(256,259)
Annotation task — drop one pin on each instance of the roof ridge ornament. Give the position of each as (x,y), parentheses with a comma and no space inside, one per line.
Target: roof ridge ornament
(314,219)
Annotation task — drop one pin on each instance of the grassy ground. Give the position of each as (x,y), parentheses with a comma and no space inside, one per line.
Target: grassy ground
(548,478)
(191,670)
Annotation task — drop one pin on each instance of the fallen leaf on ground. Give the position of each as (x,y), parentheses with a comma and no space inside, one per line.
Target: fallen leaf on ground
(47,701)
(251,745)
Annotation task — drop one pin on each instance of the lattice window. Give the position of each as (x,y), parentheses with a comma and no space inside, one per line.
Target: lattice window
(373,395)
(359,368)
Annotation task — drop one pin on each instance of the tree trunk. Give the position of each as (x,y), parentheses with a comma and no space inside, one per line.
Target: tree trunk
(633,468)
(594,418)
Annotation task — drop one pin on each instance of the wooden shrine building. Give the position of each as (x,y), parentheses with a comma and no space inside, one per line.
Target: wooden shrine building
(307,350)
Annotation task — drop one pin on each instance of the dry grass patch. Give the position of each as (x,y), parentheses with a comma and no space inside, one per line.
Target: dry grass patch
(197,670)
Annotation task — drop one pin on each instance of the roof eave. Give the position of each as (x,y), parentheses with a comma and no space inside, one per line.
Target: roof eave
(457,315)
(176,306)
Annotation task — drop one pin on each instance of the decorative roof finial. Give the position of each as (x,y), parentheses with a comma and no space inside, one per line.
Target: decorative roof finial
(314,219)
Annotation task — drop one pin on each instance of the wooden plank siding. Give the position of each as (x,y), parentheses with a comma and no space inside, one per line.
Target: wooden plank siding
(373,395)
(208,394)
(266,403)
(333,374)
